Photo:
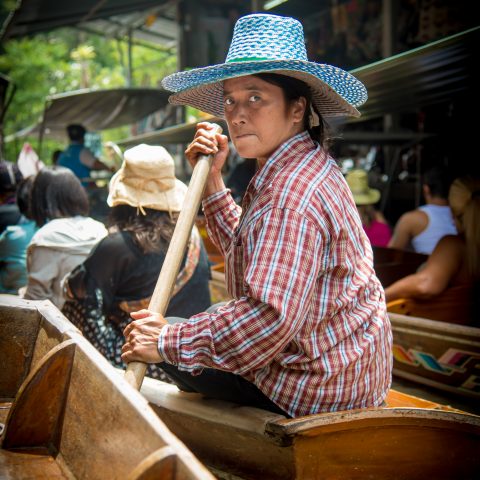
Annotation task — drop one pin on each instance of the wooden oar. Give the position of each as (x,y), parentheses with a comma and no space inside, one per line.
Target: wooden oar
(176,250)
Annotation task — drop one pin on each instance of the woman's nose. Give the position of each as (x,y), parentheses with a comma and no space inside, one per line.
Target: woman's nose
(237,115)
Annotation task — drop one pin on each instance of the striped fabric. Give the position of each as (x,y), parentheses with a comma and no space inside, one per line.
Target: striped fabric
(308,324)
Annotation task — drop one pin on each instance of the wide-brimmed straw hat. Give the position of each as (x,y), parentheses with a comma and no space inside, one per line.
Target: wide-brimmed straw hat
(146,179)
(268,43)
(362,194)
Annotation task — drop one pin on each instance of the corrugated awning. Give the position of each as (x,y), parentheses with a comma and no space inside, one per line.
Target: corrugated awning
(151,20)
(96,110)
(177,134)
(435,73)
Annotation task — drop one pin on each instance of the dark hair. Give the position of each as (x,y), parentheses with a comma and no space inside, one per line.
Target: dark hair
(438,179)
(293,89)
(367,214)
(57,193)
(23,195)
(10,176)
(76,133)
(151,232)
(55,156)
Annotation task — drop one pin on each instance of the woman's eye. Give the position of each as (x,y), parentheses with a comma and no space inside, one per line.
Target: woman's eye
(254,98)
(228,101)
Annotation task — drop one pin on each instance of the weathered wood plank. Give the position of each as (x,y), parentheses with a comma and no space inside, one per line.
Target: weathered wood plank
(36,415)
(27,465)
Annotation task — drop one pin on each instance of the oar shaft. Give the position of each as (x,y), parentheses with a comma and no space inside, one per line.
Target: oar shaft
(175,253)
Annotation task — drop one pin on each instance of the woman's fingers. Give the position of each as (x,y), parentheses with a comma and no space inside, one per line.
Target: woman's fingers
(144,313)
(141,337)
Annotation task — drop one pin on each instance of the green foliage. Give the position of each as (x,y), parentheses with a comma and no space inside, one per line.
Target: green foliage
(66,60)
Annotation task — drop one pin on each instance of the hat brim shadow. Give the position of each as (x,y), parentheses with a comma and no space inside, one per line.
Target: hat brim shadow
(335,92)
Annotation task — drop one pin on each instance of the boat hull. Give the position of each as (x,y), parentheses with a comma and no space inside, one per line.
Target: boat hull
(437,354)
(409,438)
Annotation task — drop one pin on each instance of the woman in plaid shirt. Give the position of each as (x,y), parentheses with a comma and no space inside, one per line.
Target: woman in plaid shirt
(307,331)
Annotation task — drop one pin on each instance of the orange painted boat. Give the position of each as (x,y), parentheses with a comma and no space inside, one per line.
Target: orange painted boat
(437,354)
(409,438)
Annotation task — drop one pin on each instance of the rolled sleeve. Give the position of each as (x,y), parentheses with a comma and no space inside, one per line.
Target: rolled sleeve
(168,343)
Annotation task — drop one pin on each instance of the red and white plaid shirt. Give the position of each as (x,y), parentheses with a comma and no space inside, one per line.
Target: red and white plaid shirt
(308,324)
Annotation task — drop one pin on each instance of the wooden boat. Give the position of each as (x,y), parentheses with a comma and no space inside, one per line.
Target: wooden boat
(438,354)
(408,438)
(69,414)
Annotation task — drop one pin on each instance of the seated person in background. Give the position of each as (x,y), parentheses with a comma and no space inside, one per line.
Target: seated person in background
(10,176)
(421,229)
(59,206)
(456,258)
(14,242)
(121,272)
(78,158)
(373,221)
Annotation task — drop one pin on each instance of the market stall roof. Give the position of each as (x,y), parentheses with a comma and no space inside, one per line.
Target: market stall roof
(96,110)
(438,72)
(435,73)
(152,20)
(176,134)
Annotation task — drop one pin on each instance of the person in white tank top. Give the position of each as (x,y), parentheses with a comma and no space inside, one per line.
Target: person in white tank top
(420,230)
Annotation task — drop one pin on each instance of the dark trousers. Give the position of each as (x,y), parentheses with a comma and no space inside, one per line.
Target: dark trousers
(222,386)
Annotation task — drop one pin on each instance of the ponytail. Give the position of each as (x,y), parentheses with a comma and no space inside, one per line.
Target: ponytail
(464,199)
(471,225)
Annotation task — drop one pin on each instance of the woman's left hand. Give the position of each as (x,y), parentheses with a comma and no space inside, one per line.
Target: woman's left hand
(141,337)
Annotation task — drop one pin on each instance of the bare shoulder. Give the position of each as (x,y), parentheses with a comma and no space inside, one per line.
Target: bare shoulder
(414,221)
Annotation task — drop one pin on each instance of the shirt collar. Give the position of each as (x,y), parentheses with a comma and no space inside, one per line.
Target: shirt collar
(283,155)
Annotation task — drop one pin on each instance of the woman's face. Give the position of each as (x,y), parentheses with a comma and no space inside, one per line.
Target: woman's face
(259,119)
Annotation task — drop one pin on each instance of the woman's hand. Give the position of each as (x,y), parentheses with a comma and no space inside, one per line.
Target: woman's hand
(208,142)
(141,337)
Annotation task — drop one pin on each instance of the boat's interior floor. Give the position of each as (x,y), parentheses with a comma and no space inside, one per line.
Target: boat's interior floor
(25,465)
(470,405)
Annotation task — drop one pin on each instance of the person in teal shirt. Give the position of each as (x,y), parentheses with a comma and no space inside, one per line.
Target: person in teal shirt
(14,241)
(77,157)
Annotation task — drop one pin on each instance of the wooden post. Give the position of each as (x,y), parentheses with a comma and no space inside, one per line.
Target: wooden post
(176,250)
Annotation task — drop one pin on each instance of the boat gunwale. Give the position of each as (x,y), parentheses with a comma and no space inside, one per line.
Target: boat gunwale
(388,416)
(443,328)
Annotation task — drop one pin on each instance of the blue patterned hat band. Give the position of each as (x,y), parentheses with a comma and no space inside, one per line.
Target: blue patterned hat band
(268,43)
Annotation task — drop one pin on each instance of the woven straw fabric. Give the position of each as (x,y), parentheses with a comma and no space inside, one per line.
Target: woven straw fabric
(268,37)
(268,43)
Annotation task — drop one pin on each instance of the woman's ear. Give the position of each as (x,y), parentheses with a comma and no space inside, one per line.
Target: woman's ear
(298,109)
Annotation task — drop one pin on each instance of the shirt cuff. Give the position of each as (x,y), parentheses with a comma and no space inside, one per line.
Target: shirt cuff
(169,342)
(217,202)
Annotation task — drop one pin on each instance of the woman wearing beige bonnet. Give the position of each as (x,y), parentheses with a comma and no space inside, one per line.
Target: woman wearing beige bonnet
(120,274)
